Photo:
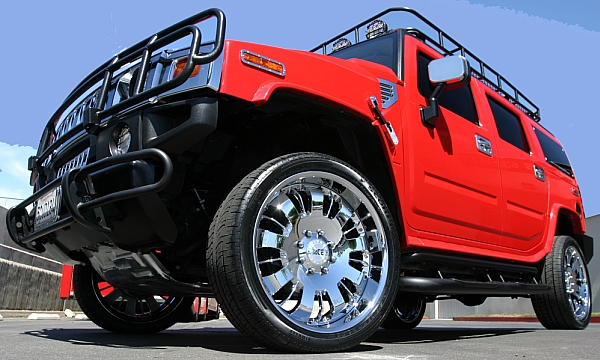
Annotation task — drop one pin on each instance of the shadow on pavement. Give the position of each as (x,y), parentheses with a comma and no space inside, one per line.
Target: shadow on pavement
(229,340)
(217,339)
(428,335)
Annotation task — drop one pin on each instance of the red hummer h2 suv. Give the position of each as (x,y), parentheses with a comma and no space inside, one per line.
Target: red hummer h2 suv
(318,195)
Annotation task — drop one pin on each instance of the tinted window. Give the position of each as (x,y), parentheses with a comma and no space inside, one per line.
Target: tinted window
(459,101)
(554,153)
(509,126)
(381,50)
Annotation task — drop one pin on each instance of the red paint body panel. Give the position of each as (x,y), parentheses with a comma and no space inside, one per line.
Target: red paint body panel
(339,82)
(452,196)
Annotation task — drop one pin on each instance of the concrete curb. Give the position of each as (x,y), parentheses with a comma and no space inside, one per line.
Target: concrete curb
(529,319)
(36,316)
(39,315)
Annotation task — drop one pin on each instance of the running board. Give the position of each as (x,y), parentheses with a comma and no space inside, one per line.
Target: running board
(434,286)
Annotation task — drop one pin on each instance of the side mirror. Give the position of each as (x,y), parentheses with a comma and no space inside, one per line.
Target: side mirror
(451,72)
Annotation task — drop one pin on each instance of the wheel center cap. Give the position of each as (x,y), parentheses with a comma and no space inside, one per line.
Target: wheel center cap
(317,251)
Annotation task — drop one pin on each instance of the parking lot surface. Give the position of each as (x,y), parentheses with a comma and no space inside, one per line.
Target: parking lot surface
(217,339)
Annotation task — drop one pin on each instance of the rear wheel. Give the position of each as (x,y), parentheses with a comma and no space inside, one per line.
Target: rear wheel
(569,304)
(407,312)
(303,255)
(122,311)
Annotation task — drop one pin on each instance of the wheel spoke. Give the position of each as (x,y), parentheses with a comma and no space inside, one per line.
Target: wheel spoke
(271,239)
(305,306)
(113,296)
(278,280)
(153,305)
(130,309)
(337,299)
(343,269)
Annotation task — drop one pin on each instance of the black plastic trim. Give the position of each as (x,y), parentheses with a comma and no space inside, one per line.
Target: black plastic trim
(74,207)
(587,246)
(434,286)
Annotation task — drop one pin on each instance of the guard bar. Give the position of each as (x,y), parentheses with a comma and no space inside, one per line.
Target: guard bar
(141,52)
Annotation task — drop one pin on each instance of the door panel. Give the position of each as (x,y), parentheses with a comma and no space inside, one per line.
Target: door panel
(525,196)
(453,187)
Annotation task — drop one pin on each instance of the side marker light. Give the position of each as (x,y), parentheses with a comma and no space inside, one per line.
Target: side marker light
(261,62)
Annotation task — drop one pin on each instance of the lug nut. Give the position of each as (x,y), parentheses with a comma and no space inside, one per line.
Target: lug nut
(299,244)
(320,233)
(300,260)
(310,271)
(332,259)
(331,244)
(307,233)
(324,270)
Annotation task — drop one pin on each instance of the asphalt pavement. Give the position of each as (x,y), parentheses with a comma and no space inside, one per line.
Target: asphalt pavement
(217,339)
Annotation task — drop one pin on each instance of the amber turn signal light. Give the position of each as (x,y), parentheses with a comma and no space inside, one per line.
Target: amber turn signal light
(180,65)
(262,62)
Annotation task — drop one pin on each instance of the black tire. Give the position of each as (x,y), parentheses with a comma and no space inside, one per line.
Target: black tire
(567,307)
(124,312)
(288,295)
(406,313)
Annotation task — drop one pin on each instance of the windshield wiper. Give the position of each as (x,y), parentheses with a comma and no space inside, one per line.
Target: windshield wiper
(566,168)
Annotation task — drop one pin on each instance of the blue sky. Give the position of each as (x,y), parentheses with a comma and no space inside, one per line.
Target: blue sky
(549,49)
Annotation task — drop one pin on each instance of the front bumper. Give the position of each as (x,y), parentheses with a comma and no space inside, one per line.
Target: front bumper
(112,200)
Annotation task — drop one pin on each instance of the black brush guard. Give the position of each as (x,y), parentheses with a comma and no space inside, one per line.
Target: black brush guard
(20,221)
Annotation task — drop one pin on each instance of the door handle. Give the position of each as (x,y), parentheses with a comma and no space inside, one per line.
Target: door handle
(483,145)
(539,172)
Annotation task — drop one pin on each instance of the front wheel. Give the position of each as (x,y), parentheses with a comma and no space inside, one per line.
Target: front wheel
(123,311)
(569,305)
(303,255)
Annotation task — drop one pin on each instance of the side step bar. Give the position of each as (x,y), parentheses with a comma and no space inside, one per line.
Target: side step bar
(435,286)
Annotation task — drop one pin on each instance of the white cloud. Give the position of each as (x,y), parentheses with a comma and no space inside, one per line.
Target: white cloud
(14,176)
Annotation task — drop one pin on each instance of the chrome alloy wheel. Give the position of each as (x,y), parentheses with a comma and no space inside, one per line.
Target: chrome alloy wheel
(576,283)
(320,251)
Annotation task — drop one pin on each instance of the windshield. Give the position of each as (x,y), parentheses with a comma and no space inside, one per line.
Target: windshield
(382,50)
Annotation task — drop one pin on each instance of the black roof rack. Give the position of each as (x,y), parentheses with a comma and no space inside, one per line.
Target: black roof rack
(446,45)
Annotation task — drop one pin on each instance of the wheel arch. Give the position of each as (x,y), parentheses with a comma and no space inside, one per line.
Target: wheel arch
(297,122)
(569,223)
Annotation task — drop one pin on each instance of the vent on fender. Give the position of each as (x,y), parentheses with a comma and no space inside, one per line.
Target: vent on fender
(388,93)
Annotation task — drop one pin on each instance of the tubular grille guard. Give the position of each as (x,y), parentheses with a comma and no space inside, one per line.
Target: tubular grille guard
(446,45)
(141,52)
(18,220)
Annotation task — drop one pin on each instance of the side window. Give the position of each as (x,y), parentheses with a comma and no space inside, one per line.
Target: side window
(554,153)
(459,101)
(508,125)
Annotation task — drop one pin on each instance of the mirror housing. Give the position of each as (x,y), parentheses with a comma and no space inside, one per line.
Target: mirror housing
(451,72)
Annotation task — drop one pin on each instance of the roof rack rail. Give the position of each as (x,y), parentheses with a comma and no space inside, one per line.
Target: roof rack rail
(446,45)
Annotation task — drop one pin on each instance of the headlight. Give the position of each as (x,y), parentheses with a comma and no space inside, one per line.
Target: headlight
(121,140)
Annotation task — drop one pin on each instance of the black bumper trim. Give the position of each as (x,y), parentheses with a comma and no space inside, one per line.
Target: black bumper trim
(74,207)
